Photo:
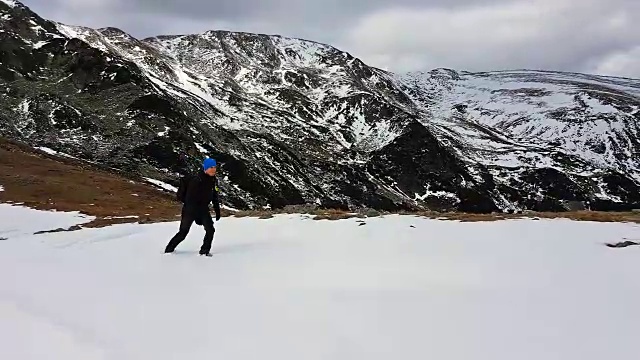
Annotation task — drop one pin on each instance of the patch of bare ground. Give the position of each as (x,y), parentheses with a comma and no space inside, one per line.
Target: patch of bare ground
(336,214)
(316,214)
(599,216)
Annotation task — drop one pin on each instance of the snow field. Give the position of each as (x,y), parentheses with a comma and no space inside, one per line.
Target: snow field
(296,288)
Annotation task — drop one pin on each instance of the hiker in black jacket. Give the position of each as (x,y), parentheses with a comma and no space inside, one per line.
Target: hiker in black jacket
(201,189)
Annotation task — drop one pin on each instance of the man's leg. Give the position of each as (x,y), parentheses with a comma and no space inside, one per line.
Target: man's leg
(207,222)
(185,225)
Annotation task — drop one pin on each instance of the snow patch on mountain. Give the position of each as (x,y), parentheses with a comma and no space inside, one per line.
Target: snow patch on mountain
(162,185)
(516,119)
(18,221)
(10,3)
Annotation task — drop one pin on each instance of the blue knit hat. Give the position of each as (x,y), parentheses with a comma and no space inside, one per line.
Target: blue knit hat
(208,163)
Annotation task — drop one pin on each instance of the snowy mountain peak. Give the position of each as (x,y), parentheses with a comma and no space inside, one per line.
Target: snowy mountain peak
(11,3)
(295,121)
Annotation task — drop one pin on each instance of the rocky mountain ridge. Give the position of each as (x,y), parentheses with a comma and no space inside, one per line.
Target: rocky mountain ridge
(294,121)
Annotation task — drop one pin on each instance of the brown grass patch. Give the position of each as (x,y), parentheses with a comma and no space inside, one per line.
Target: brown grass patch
(598,216)
(317,214)
(334,214)
(45,182)
(253,213)
(337,214)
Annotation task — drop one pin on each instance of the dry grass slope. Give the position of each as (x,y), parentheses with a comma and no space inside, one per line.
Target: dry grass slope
(331,214)
(42,181)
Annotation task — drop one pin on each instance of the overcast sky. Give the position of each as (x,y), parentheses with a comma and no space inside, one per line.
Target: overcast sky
(594,36)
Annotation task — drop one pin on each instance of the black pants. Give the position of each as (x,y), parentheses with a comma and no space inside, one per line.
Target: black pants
(185,225)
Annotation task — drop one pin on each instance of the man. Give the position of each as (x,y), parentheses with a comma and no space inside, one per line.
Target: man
(201,189)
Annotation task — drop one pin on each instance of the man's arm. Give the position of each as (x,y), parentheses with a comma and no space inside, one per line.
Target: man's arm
(216,200)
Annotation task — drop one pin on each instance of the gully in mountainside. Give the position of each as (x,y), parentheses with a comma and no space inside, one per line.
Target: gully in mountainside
(196,192)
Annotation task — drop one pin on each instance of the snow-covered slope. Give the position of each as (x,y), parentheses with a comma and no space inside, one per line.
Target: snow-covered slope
(594,118)
(584,126)
(18,221)
(290,288)
(294,121)
(287,87)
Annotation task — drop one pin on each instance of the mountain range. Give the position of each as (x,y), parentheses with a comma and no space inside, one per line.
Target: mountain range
(293,121)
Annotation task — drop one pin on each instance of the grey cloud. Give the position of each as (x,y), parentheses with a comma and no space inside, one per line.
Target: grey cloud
(282,9)
(541,34)
(291,16)
(572,35)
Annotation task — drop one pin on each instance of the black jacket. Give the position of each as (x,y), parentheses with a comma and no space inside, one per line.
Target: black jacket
(202,189)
